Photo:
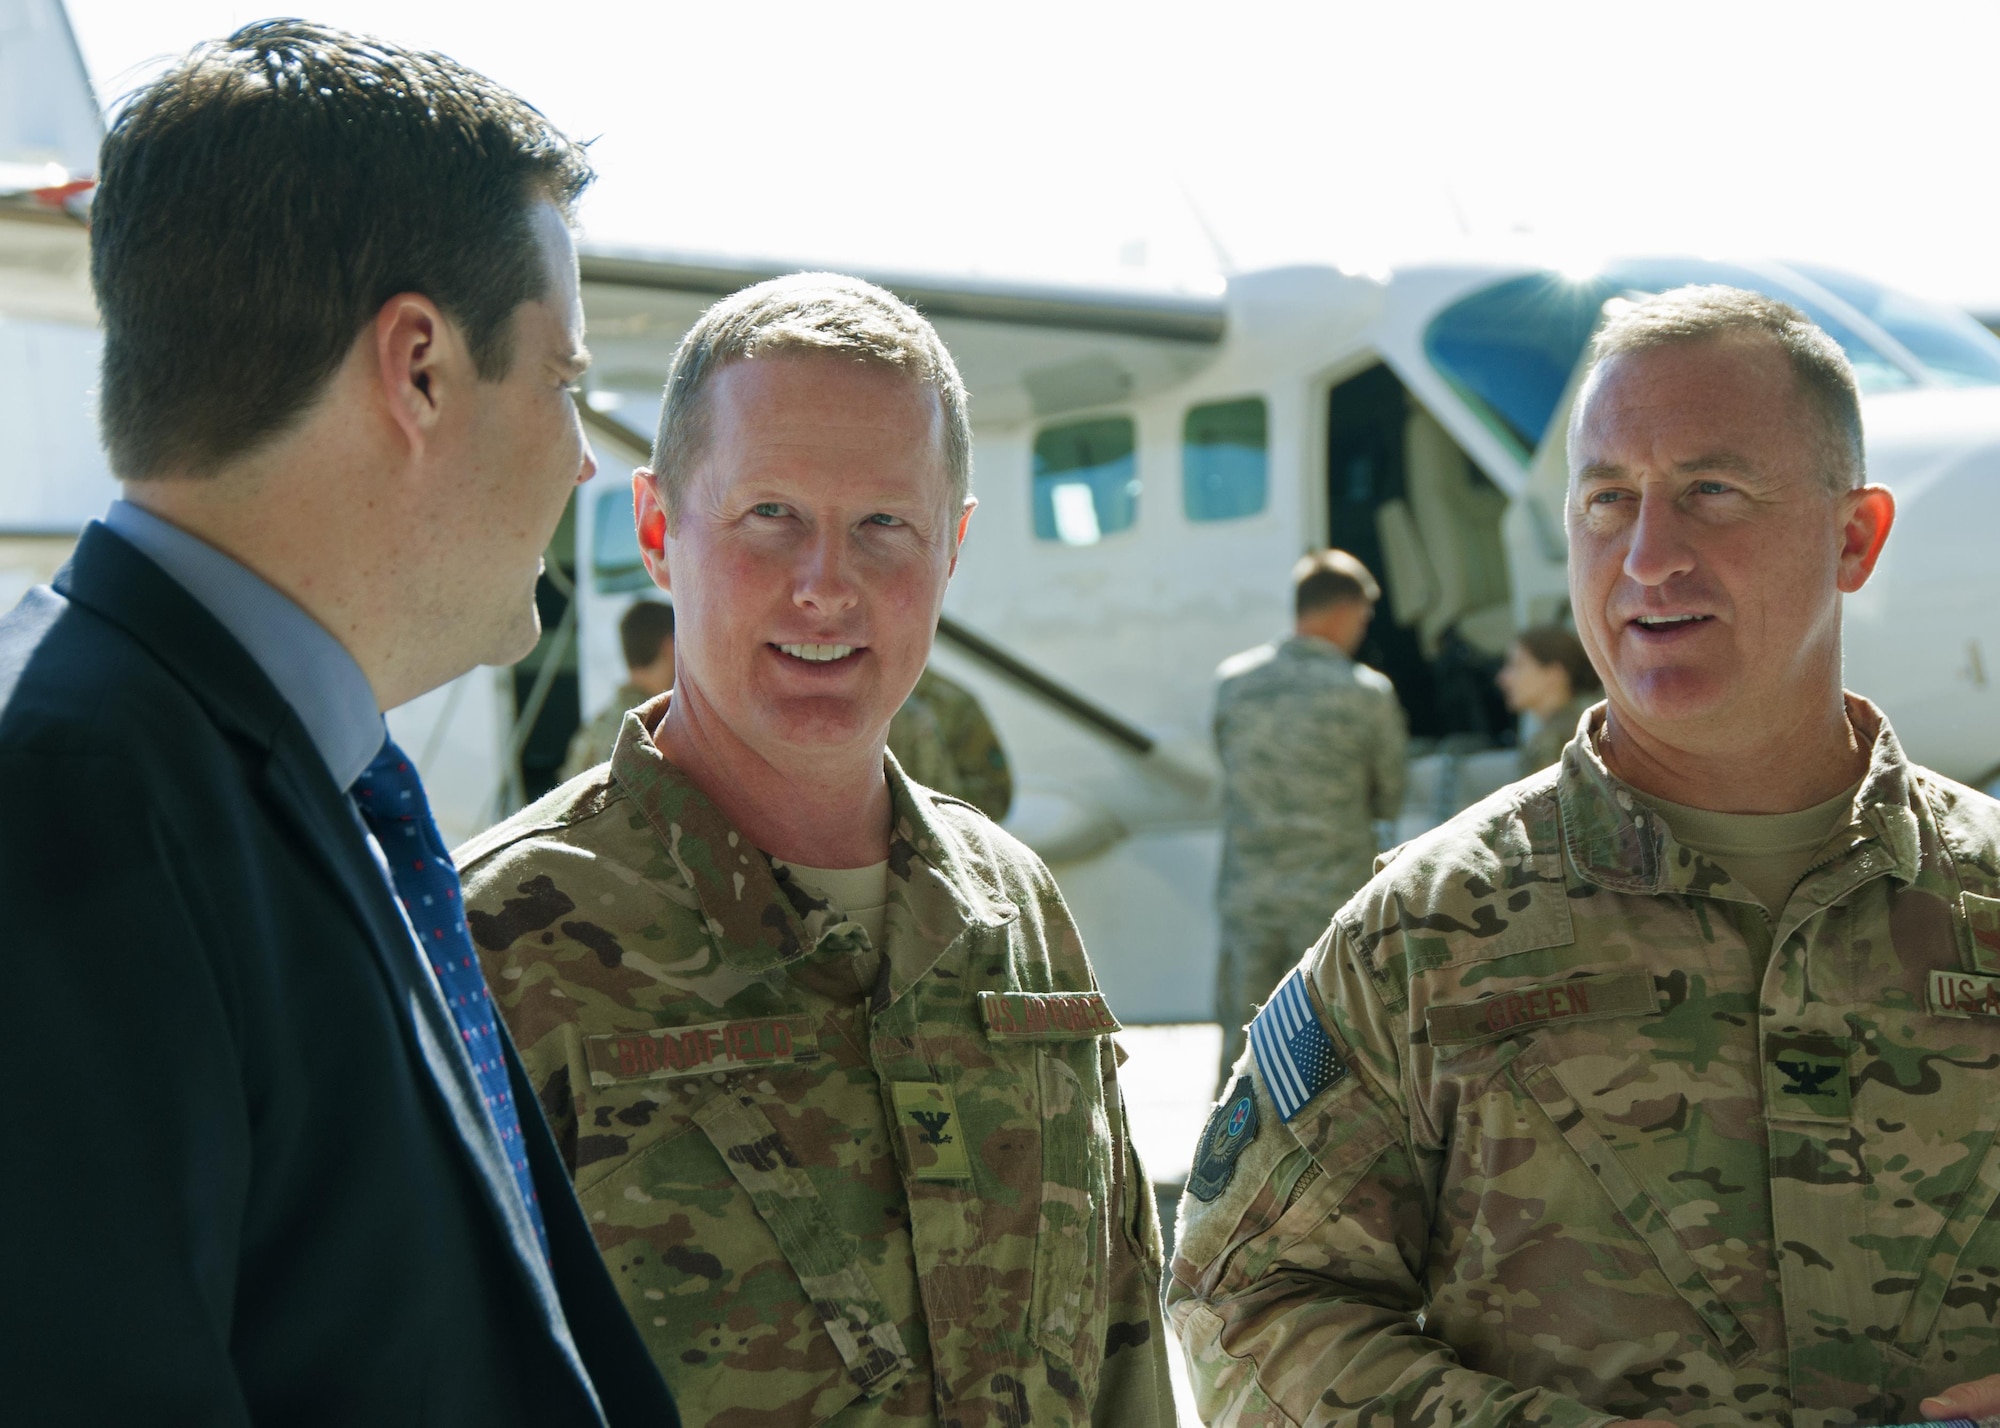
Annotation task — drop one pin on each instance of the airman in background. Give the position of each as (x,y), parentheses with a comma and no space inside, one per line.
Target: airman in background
(821,1045)
(1662,1085)
(1312,746)
(646,637)
(1547,676)
(943,739)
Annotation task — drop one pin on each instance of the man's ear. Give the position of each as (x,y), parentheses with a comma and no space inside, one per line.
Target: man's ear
(958,540)
(1867,514)
(415,348)
(649,518)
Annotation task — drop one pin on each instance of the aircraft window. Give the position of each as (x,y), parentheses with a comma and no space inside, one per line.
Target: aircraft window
(1509,349)
(1225,460)
(1086,480)
(1952,347)
(614,547)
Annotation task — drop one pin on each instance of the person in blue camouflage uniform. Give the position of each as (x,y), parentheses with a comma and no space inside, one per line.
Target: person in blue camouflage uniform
(1312,744)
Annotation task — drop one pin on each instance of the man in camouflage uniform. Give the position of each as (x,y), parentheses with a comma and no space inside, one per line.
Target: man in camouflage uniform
(943,739)
(646,639)
(1572,1117)
(822,1046)
(1312,746)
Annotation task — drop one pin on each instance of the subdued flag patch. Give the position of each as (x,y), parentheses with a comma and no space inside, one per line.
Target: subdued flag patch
(1294,1054)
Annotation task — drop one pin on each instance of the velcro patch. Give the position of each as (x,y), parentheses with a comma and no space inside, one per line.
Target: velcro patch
(1230,1129)
(1962,994)
(1046,1016)
(1806,1079)
(1504,1013)
(932,1136)
(1293,1053)
(697,1050)
(1982,922)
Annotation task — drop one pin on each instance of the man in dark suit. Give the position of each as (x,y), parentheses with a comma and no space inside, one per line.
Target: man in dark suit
(268,1158)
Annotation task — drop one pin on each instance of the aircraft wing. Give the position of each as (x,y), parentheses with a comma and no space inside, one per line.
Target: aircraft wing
(1026,350)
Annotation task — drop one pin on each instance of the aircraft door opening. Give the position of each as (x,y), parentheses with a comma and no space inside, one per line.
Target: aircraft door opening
(1405,499)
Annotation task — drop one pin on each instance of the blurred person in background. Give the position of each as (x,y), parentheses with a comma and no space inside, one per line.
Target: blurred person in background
(943,739)
(270,1158)
(1548,677)
(1312,746)
(646,638)
(1662,1085)
(822,1047)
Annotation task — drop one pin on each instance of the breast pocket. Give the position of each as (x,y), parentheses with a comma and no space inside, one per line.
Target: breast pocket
(1926,1108)
(1073,1240)
(1576,1106)
(745,1287)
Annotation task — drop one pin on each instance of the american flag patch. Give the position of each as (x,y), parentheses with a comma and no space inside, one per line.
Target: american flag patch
(1294,1054)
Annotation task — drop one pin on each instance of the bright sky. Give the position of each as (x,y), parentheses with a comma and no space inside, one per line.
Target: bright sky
(1096,141)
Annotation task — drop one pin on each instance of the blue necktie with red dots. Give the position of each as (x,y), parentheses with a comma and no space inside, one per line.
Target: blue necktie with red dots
(392,803)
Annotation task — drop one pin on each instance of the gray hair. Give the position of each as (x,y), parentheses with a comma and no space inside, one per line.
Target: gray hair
(1701,314)
(805,313)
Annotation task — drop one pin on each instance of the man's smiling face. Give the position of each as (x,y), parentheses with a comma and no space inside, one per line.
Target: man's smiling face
(1706,548)
(809,557)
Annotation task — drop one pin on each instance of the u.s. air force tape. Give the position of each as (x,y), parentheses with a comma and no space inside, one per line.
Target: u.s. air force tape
(695,1050)
(1046,1016)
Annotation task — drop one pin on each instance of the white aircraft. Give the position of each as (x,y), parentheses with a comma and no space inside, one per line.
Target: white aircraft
(1148,467)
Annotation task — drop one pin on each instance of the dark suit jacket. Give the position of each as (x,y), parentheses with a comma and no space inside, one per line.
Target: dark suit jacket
(244,1174)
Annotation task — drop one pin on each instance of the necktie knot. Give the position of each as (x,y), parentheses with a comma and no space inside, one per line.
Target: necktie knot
(390,789)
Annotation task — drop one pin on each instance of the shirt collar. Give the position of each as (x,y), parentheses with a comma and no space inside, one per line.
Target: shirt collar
(1616,841)
(312,671)
(757,922)
(1315,646)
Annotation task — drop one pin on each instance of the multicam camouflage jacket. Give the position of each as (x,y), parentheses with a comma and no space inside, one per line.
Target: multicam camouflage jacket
(944,740)
(1558,1125)
(1312,748)
(832,1185)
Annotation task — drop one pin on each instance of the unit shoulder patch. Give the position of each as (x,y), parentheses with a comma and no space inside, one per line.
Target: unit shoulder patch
(698,1050)
(1293,1052)
(1230,1129)
(1046,1016)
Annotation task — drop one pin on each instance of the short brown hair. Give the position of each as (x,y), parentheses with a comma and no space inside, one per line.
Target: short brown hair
(1554,644)
(257,205)
(826,313)
(645,627)
(1331,577)
(1702,314)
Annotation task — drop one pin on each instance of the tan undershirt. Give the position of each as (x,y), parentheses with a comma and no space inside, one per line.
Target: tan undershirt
(1766,852)
(861,894)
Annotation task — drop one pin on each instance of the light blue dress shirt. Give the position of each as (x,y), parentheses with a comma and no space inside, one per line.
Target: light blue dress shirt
(312,670)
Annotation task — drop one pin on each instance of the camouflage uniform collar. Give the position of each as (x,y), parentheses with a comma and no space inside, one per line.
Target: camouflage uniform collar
(1615,841)
(1313,647)
(758,922)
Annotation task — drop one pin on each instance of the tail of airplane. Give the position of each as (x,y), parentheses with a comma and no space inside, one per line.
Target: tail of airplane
(50,123)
